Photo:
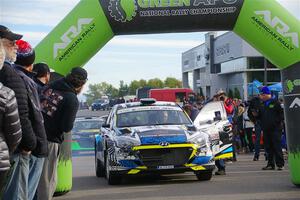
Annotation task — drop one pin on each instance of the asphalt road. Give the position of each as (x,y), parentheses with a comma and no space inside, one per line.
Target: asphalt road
(244,181)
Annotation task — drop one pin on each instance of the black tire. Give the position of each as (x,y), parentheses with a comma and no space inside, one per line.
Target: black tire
(100,170)
(112,179)
(204,175)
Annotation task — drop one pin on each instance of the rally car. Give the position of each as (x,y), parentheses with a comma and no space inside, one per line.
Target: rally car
(83,135)
(151,137)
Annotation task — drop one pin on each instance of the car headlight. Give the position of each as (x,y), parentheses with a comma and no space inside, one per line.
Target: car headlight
(204,144)
(124,146)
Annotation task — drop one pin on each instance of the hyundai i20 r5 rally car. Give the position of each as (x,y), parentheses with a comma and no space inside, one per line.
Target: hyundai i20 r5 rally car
(151,137)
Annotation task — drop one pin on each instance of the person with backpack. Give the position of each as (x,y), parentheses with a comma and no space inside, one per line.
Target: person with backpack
(59,108)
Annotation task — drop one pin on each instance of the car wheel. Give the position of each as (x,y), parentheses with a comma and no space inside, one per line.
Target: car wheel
(100,169)
(204,175)
(112,179)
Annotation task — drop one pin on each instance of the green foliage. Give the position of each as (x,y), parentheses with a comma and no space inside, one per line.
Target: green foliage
(172,83)
(133,86)
(155,83)
(230,93)
(123,89)
(237,93)
(96,91)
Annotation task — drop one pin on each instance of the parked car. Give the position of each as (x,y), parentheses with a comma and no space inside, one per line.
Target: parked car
(100,104)
(151,137)
(212,119)
(83,134)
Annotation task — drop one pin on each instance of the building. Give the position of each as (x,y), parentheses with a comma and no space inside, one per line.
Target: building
(225,62)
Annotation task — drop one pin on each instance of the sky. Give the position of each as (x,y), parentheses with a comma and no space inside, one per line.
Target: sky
(124,58)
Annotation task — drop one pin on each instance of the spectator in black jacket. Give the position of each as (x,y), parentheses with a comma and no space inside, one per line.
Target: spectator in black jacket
(23,66)
(59,109)
(10,128)
(271,116)
(10,79)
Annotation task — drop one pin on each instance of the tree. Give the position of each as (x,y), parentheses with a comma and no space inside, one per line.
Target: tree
(155,83)
(96,91)
(172,83)
(123,89)
(133,86)
(230,93)
(237,93)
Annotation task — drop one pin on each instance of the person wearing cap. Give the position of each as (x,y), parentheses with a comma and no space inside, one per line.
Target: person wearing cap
(10,127)
(10,79)
(23,66)
(59,108)
(42,75)
(271,116)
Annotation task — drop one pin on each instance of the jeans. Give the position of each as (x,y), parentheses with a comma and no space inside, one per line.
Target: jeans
(35,170)
(17,185)
(220,165)
(3,177)
(257,139)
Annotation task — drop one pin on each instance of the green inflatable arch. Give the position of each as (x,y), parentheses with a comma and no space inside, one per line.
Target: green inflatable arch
(264,24)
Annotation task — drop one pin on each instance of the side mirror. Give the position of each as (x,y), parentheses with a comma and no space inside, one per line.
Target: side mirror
(218,118)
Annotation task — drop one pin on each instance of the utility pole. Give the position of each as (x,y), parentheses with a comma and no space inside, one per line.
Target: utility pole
(265,71)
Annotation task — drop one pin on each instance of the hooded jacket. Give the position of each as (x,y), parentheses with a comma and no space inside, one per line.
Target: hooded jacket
(10,79)
(35,114)
(10,128)
(59,107)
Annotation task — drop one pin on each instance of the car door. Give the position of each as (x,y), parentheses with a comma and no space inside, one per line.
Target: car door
(212,119)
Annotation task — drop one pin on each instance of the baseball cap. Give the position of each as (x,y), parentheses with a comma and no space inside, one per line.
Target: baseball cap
(8,34)
(265,90)
(41,69)
(79,72)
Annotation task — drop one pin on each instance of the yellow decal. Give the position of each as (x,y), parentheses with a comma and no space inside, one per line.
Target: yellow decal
(223,156)
(134,171)
(197,168)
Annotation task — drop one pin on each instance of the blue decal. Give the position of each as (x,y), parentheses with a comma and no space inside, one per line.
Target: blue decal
(200,160)
(97,138)
(157,139)
(129,163)
(228,150)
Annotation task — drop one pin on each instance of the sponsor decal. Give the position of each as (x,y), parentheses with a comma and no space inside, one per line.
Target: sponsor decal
(289,85)
(122,10)
(127,10)
(72,38)
(277,29)
(295,103)
(223,50)
(164,144)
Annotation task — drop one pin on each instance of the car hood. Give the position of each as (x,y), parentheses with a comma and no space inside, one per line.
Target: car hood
(151,135)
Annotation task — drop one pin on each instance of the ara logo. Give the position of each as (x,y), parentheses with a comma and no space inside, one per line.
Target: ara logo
(281,27)
(122,10)
(295,103)
(70,34)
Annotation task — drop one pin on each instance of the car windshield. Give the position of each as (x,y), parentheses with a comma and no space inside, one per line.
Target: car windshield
(152,117)
(84,125)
